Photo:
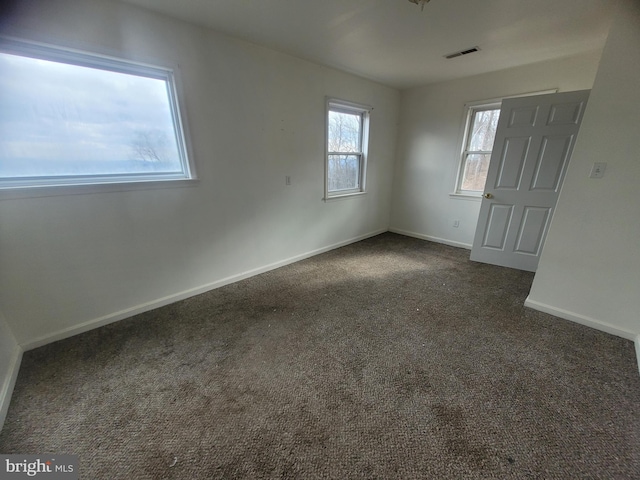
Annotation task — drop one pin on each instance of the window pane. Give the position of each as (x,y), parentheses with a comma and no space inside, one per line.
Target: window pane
(66,120)
(344,132)
(483,130)
(344,172)
(475,172)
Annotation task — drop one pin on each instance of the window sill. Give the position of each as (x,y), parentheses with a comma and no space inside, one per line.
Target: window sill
(11,193)
(343,196)
(475,197)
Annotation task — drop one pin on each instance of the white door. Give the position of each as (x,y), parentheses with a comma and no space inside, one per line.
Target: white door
(531,151)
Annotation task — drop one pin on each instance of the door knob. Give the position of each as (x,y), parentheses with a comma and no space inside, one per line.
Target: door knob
(488,196)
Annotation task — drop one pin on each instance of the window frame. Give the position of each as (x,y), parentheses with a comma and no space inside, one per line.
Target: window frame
(364,111)
(88,183)
(470,111)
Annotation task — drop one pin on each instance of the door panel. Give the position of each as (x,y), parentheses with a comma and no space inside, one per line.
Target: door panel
(532,228)
(565,113)
(523,117)
(552,161)
(512,162)
(497,226)
(531,151)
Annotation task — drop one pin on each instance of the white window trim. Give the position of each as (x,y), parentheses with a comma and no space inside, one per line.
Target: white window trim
(469,109)
(345,106)
(47,186)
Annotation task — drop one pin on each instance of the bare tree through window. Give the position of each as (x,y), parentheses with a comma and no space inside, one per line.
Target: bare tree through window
(345,150)
(480,137)
(150,146)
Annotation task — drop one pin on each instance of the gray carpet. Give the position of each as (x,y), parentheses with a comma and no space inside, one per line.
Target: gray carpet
(389,358)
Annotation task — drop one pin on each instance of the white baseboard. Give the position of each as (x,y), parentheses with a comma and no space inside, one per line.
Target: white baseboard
(582,319)
(451,243)
(160,302)
(6,389)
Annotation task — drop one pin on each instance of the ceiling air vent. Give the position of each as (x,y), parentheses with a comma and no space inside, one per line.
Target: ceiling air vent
(462,52)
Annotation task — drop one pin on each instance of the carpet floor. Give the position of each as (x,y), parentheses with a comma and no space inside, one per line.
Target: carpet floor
(389,358)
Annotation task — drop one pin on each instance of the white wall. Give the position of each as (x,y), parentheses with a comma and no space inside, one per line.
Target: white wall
(71,262)
(429,141)
(10,356)
(589,270)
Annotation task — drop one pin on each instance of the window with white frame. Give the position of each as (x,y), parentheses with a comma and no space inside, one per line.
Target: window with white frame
(347,139)
(480,132)
(70,117)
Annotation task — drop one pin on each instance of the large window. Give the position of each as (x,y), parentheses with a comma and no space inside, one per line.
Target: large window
(480,131)
(347,139)
(69,117)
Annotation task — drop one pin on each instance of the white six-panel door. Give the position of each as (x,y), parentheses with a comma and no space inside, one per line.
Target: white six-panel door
(531,151)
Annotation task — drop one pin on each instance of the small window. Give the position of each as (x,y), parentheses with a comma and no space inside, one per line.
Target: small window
(69,117)
(480,132)
(347,138)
